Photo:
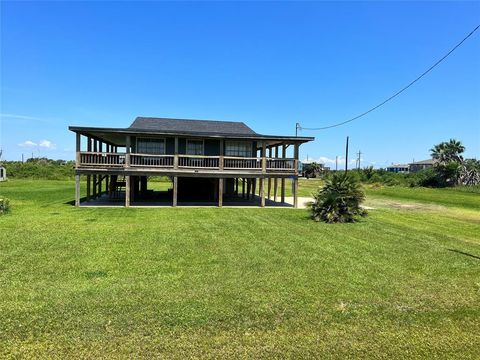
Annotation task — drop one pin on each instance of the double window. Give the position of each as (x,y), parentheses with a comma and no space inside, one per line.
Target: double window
(150,146)
(194,147)
(238,148)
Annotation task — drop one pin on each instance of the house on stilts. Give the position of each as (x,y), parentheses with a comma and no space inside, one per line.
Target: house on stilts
(212,162)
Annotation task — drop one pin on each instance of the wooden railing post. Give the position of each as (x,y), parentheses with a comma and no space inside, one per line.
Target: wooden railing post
(127,152)
(175,156)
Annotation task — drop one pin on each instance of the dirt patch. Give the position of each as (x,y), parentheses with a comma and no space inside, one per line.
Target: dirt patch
(378,203)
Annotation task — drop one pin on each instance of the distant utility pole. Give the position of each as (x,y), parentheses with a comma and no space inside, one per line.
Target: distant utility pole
(359,154)
(22,158)
(336,163)
(346,156)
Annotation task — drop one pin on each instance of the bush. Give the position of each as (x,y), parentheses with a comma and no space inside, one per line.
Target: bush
(4,206)
(339,200)
(40,168)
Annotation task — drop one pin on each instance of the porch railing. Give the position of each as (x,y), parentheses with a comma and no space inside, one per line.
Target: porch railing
(198,161)
(148,160)
(235,163)
(107,159)
(281,164)
(101,158)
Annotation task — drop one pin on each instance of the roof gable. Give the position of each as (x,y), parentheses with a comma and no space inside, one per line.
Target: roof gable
(191,126)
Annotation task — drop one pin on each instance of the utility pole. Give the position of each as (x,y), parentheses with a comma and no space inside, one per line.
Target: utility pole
(346,157)
(22,159)
(359,154)
(336,163)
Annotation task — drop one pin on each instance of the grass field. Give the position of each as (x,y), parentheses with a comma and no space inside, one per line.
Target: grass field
(258,283)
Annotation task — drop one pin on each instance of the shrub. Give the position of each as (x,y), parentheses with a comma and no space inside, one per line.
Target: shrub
(339,200)
(4,206)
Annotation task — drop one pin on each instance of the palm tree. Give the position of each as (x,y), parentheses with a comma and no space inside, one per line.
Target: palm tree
(447,152)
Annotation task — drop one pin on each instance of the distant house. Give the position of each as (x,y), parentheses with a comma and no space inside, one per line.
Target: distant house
(3,173)
(205,160)
(398,168)
(421,165)
(306,168)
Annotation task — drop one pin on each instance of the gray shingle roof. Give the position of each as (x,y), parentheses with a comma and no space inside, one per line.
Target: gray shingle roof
(424,162)
(191,126)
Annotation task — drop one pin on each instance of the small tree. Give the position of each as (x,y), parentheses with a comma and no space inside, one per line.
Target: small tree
(339,200)
(449,161)
(470,172)
(4,206)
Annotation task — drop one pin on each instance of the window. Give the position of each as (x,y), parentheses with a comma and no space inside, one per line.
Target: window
(150,146)
(238,148)
(194,147)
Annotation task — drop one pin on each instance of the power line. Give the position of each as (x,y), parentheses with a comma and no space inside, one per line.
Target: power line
(398,92)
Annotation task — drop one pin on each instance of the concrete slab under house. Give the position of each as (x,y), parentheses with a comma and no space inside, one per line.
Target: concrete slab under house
(206,162)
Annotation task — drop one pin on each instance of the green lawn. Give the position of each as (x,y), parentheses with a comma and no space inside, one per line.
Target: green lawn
(237,283)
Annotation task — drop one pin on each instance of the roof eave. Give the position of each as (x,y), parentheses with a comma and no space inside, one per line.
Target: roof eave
(130,131)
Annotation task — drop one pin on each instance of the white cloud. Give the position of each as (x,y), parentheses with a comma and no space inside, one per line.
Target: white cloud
(47,144)
(43,144)
(27,143)
(341,161)
(20,117)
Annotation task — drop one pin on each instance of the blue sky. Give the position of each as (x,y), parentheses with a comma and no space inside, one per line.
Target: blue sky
(267,64)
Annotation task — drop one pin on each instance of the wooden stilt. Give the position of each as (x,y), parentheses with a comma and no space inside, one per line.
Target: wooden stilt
(249,186)
(282,182)
(262,192)
(127,191)
(88,187)
(254,187)
(275,180)
(243,187)
(220,192)
(107,149)
(295,180)
(175,190)
(295,192)
(269,179)
(94,178)
(89,178)
(100,147)
(77,190)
